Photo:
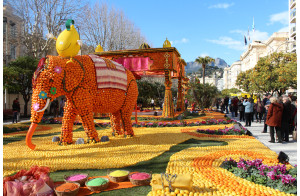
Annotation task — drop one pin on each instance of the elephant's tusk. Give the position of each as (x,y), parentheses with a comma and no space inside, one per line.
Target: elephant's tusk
(48,101)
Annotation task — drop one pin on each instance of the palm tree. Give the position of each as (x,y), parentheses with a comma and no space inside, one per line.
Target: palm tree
(204,61)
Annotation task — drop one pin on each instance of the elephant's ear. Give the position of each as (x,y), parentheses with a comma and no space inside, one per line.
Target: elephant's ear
(73,75)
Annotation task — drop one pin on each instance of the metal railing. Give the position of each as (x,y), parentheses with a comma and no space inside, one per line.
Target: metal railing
(293,30)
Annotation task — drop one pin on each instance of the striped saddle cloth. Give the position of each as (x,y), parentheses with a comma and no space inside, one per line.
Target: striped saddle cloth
(109,74)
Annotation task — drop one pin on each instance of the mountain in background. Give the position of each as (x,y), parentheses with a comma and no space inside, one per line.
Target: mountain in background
(193,67)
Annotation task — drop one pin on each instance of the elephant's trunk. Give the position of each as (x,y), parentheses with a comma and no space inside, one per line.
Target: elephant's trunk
(30,134)
(37,113)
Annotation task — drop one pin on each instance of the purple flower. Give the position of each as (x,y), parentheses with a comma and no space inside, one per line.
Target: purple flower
(287,179)
(241,165)
(58,69)
(36,106)
(150,124)
(271,175)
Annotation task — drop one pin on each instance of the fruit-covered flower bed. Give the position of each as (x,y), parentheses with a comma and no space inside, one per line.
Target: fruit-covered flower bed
(226,131)
(277,176)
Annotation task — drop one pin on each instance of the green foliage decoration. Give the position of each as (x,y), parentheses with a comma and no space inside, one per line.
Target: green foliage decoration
(17,77)
(274,73)
(204,95)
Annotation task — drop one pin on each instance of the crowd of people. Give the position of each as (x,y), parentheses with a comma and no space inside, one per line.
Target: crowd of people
(57,108)
(278,113)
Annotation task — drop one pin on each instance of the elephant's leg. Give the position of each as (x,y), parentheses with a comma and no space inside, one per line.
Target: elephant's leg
(84,105)
(126,110)
(115,119)
(67,123)
(126,123)
(89,126)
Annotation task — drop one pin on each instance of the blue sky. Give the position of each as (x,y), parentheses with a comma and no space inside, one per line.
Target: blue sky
(205,27)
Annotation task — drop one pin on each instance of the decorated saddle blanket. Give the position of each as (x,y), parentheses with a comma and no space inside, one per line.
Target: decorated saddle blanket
(109,74)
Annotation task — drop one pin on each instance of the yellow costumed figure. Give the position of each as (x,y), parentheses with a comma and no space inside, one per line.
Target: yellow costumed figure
(68,42)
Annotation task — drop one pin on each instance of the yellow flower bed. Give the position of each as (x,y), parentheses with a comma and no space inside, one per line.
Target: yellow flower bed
(209,179)
(202,162)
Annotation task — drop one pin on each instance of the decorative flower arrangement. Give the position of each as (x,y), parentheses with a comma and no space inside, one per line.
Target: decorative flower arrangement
(58,69)
(277,176)
(53,90)
(155,124)
(183,123)
(43,95)
(226,131)
(36,106)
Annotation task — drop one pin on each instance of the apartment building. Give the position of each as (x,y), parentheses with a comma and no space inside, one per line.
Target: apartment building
(292,26)
(230,75)
(12,26)
(277,42)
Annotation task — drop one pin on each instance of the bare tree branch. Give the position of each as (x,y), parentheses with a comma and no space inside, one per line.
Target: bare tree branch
(41,17)
(109,28)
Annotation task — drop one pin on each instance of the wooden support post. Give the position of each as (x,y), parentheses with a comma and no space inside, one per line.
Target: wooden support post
(168,110)
(136,119)
(180,102)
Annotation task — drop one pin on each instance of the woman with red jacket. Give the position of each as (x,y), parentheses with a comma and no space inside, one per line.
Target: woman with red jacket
(274,119)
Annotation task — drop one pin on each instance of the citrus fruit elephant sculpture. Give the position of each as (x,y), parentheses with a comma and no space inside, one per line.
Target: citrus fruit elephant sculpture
(86,92)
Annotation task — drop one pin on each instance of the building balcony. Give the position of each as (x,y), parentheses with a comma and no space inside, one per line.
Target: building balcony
(292,4)
(293,17)
(293,31)
(292,47)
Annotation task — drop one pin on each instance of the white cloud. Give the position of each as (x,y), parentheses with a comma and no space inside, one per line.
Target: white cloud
(257,35)
(182,41)
(284,29)
(229,42)
(204,54)
(221,5)
(282,17)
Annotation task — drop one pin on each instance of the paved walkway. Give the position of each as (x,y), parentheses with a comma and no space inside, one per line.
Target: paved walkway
(289,148)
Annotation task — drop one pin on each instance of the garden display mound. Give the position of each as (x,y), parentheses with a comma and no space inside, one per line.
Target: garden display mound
(67,189)
(140,179)
(97,184)
(79,178)
(118,175)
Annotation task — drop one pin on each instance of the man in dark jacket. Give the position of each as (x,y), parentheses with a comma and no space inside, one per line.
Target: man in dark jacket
(235,102)
(286,118)
(226,101)
(266,104)
(241,109)
(16,110)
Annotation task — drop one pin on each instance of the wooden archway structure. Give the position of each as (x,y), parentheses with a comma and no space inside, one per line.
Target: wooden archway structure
(155,61)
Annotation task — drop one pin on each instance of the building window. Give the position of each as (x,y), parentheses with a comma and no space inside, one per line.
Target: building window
(4,25)
(13,30)
(12,51)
